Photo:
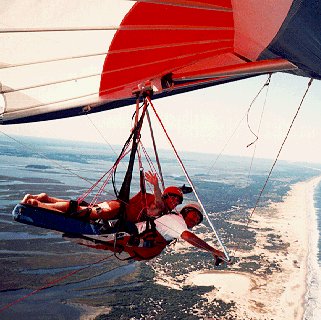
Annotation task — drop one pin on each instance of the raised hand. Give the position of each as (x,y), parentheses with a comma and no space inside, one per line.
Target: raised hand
(151,178)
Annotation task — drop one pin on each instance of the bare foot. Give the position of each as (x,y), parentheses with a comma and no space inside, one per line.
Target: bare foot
(26,198)
(33,202)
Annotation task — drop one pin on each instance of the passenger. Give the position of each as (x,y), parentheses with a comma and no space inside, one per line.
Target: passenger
(139,206)
(155,204)
(173,226)
(148,243)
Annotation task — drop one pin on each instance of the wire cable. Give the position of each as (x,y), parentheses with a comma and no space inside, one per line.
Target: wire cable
(277,157)
(52,283)
(234,131)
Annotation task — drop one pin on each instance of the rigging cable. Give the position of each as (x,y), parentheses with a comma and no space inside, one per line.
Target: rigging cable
(258,130)
(127,143)
(236,128)
(150,162)
(259,127)
(277,157)
(155,150)
(109,174)
(57,164)
(53,282)
(249,109)
(102,136)
(190,181)
(142,184)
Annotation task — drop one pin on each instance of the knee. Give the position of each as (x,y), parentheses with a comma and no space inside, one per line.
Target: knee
(42,197)
(113,205)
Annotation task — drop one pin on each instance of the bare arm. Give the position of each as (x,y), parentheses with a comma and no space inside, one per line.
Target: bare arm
(199,243)
(158,206)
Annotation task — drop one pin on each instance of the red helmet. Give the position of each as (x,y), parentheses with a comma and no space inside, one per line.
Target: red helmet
(173,191)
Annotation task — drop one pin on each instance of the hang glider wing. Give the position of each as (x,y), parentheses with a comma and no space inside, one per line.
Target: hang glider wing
(77,57)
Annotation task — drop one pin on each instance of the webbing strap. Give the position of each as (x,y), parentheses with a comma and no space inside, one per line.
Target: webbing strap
(124,192)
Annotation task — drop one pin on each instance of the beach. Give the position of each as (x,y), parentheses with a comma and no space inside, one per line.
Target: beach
(281,294)
(277,288)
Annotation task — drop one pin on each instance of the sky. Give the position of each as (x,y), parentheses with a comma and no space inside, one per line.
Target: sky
(211,120)
(199,121)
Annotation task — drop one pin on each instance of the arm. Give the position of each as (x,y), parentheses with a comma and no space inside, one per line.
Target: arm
(199,243)
(158,205)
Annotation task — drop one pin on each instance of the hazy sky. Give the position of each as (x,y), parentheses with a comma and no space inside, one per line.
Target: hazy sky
(204,120)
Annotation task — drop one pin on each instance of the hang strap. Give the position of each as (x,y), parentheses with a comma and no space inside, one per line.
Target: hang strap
(124,192)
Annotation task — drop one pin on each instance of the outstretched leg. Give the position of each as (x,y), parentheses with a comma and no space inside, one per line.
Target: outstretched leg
(42,197)
(106,210)
(61,206)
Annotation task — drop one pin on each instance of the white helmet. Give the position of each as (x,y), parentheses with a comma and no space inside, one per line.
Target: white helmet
(192,206)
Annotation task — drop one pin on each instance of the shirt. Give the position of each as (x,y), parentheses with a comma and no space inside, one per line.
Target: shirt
(170,226)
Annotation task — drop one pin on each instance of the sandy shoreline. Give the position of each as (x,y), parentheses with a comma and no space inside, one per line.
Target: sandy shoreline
(281,294)
(282,240)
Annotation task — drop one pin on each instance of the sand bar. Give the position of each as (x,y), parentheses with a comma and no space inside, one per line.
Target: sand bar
(279,293)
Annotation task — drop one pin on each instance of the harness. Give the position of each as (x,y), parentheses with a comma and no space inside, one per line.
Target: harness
(79,214)
(146,245)
(148,235)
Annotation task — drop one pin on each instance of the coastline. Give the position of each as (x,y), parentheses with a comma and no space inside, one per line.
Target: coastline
(283,236)
(283,232)
(313,292)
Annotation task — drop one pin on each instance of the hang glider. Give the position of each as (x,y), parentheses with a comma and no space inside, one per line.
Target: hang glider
(142,225)
(68,59)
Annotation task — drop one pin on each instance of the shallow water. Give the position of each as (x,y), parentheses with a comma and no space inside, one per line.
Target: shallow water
(26,235)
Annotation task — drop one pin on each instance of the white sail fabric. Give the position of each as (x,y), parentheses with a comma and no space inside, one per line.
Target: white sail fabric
(42,70)
(54,61)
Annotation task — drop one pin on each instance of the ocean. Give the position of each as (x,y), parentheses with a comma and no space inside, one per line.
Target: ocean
(31,257)
(313,294)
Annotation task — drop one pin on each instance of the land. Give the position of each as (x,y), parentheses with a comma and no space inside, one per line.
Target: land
(267,280)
